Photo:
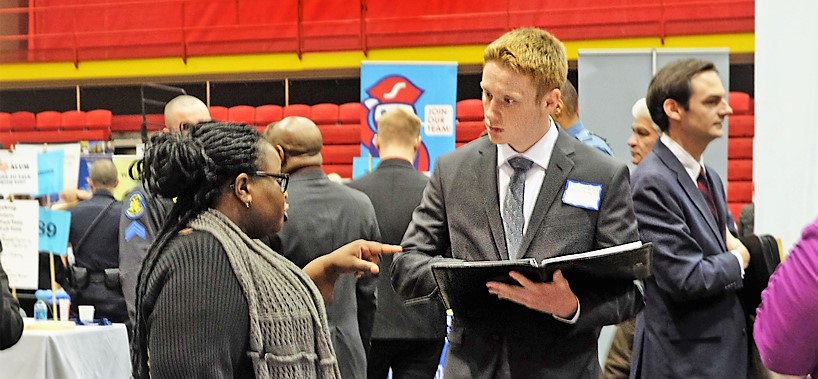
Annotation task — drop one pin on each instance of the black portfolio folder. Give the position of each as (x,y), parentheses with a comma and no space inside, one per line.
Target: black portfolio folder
(463,284)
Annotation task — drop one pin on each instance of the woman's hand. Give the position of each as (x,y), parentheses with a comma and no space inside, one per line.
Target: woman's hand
(360,257)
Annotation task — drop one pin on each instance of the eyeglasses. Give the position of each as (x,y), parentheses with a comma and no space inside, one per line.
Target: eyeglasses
(281,179)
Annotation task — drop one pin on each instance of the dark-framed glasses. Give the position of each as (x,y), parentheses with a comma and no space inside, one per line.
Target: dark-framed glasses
(281,178)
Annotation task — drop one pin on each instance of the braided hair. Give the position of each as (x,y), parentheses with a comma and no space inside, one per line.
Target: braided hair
(193,169)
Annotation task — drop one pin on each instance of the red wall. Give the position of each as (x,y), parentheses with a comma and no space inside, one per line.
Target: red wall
(73,30)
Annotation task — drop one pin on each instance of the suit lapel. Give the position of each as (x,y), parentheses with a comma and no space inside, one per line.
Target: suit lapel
(690,189)
(555,176)
(486,181)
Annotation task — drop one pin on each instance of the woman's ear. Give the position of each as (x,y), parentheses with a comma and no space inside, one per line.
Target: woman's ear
(239,188)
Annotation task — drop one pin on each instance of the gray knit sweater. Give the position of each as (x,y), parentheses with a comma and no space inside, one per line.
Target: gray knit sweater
(199,324)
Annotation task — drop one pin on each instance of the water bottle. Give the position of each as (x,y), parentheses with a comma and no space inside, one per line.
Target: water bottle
(40,307)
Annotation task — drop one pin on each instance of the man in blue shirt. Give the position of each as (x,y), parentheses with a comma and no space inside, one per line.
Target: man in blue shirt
(567,117)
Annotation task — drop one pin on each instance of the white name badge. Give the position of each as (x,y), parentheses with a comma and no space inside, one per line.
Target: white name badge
(582,195)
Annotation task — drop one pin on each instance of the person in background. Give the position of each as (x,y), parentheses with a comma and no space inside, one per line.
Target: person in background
(406,338)
(566,115)
(694,325)
(645,132)
(142,213)
(786,323)
(324,216)
(94,238)
(491,199)
(212,300)
(11,322)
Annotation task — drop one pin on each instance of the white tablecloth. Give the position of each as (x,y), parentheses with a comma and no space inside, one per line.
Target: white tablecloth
(85,352)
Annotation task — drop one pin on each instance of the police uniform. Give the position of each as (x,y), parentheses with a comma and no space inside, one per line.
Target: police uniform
(579,132)
(141,219)
(94,236)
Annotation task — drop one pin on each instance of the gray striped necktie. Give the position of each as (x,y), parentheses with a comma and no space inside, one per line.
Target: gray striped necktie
(513,216)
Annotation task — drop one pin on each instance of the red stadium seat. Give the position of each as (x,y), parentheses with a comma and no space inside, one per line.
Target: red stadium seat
(74,120)
(99,119)
(48,120)
(351,113)
(23,121)
(242,113)
(740,148)
(739,169)
(302,110)
(735,208)
(470,110)
(340,154)
(741,125)
(324,114)
(267,114)
(218,113)
(740,102)
(340,134)
(740,191)
(467,131)
(5,122)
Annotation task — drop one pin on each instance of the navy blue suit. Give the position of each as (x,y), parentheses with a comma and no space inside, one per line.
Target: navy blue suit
(694,325)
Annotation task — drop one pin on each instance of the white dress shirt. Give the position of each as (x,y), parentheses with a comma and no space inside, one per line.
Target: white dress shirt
(540,154)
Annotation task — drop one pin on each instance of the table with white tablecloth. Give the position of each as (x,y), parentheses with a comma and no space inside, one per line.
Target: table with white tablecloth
(84,352)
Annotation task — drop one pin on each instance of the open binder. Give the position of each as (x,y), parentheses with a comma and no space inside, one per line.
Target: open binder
(463,284)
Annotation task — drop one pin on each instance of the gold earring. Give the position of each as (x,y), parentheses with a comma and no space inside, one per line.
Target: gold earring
(247,204)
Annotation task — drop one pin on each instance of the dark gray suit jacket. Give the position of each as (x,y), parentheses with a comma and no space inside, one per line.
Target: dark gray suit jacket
(694,325)
(459,218)
(324,216)
(395,189)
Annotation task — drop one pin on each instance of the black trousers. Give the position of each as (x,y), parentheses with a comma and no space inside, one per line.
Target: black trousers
(408,359)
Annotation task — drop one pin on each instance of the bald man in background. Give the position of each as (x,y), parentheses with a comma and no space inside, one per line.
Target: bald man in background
(323,216)
(142,213)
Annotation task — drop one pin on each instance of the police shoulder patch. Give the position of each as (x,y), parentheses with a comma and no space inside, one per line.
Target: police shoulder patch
(136,206)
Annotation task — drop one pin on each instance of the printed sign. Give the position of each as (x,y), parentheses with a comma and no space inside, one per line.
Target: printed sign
(18,231)
(18,172)
(427,89)
(54,228)
(71,160)
(50,172)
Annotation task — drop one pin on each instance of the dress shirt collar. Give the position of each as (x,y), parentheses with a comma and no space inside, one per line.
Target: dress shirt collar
(539,153)
(690,164)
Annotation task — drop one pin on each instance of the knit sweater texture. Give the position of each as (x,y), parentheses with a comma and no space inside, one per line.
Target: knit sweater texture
(220,305)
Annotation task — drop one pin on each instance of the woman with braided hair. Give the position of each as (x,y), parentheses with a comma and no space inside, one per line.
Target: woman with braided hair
(214,302)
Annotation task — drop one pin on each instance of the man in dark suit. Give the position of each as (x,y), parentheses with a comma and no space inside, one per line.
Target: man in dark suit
(94,237)
(574,199)
(323,216)
(694,325)
(406,338)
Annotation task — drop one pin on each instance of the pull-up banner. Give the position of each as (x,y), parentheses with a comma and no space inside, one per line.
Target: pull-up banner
(427,89)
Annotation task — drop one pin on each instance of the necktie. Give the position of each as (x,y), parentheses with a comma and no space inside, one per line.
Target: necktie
(513,219)
(704,187)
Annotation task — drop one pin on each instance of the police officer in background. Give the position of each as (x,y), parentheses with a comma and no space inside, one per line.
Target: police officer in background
(143,214)
(94,277)
(567,116)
